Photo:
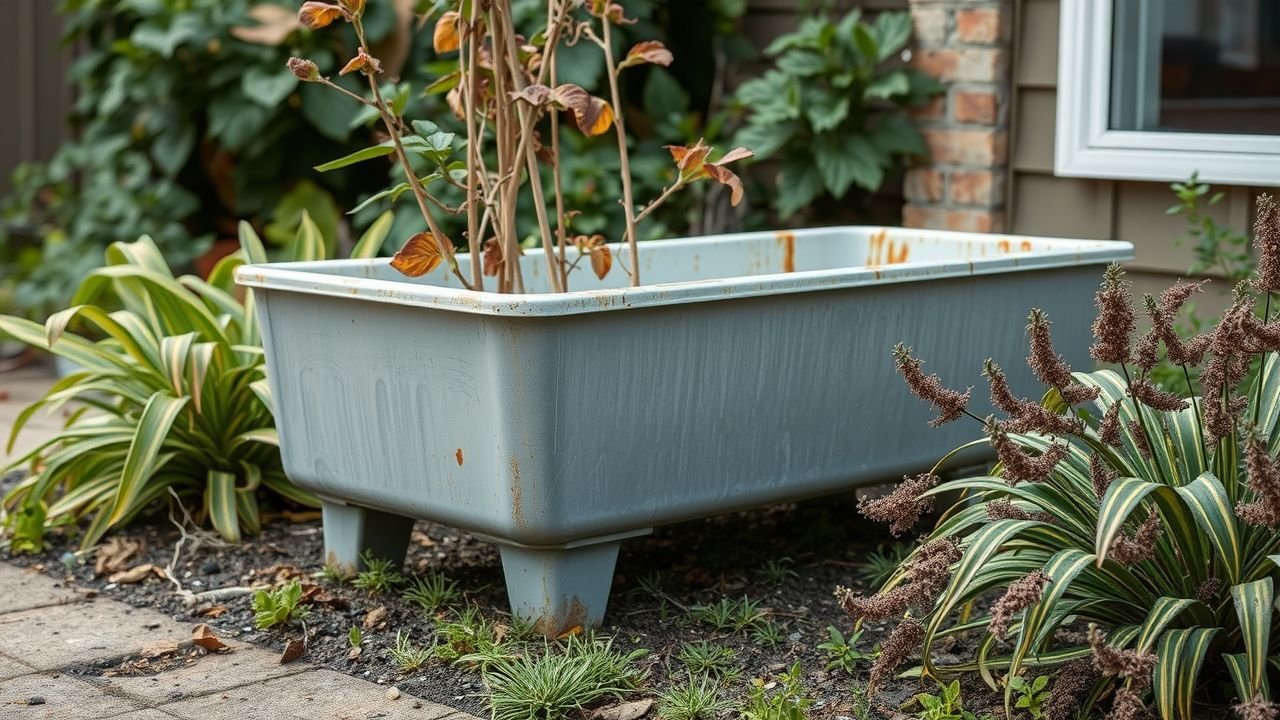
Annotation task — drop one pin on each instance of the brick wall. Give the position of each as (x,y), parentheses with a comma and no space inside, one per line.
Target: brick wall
(960,186)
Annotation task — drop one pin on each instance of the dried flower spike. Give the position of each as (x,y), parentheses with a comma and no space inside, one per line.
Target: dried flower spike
(903,507)
(951,404)
(903,642)
(1264,483)
(1266,242)
(304,69)
(1018,466)
(1018,597)
(1115,323)
(1142,546)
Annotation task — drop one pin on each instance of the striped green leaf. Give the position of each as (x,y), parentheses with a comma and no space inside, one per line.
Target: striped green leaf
(1062,570)
(1164,612)
(220,501)
(1213,511)
(1179,657)
(153,426)
(370,243)
(255,253)
(1253,603)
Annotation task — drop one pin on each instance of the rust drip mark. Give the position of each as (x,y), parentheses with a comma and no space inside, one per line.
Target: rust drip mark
(458,456)
(1003,245)
(788,242)
(875,247)
(897,257)
(1025,246)
(517,494)
(565,622)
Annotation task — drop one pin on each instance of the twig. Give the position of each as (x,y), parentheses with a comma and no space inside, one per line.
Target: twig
(628,206)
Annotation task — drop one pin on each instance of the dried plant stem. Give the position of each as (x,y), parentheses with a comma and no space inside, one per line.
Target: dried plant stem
(550,64)
(666,193)
(419,192)
(506,186)
(1138,409)
(528,118)
(467,60)
(628,206)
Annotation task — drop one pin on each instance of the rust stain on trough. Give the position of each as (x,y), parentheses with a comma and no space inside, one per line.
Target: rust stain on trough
(458,456)
(517,494)
(788,241)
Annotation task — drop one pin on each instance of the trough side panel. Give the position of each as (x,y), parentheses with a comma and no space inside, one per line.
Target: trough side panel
(387,407)
(682,412)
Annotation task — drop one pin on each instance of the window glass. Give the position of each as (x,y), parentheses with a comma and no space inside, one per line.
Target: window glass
(1196,66)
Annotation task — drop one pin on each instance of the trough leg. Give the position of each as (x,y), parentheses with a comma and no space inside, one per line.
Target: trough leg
(559,588)
(350,531)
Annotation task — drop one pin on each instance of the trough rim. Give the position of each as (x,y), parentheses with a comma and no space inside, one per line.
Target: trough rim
(313,278)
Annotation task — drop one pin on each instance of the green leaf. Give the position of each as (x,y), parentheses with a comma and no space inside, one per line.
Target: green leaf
(1178,661)
(1253,603)
(893,30)
(799,184)
(308,244)
(802,63)
(267,87)
(369,153)
(845,161)
(866,42)
(251,245)
(826,110)
(371,242)
(153,428)
(888,86)
(1207,500)
(220,501)
(172,148)
(443,84)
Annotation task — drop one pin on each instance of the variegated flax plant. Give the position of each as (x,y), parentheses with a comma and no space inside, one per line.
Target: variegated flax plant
(1127,535)
(506,95)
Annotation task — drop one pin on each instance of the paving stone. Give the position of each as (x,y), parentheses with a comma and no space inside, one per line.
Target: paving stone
(209,674)
(24,589)
(314,695)
(65,698)
(10,668)
(79,633)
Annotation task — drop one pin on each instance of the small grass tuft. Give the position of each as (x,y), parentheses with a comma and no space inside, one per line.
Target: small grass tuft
(729,615)
(433,592)
(407,656)
(779,572)
(561,681)
(378,576)
(692,700)
(880,565)
(704,658)
(766,633)
(843,654)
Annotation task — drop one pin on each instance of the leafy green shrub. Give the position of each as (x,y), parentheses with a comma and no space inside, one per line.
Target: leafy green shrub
(279,606)
(1139,533)
(832,110)
(1031,695)
(948,705)
(187,119)
(843,654)
(172,395)
(787,700)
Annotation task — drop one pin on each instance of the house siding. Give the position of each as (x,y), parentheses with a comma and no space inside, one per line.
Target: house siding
(33,122)
(1040,203)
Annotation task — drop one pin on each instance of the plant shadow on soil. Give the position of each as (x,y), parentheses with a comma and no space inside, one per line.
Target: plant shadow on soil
(700,562)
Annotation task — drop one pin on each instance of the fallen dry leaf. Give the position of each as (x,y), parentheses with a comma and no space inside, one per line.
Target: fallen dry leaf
(624,711)
(422,539)
(136,574)
(317,595)
(300,516)
(293,650)
(419,255)
(212,611)
(203,636)
(375,619)
(354,652)
(575,630)
(115,555)
(158,649)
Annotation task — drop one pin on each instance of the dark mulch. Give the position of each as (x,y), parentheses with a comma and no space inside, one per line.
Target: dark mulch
(698,562)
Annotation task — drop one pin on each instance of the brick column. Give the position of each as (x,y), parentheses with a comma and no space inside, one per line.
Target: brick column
(966,45)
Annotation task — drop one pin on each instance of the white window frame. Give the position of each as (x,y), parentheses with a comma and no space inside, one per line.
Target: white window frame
(1084,145)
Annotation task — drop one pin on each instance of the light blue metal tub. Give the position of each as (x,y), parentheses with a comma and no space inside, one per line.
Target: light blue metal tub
(750,369)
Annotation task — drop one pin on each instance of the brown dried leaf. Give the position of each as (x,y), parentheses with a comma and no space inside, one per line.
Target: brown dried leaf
(649,51)
(728,178)
(364,62)
(690,159)
(203,636)
(376,618)
(601,260)
(316,15)
(738,153)
(536,95)
(611,11)
(136,574)
(158,649)
(274,25)
(575,630)
(354,652)
(213,611)
(492,257)
(592,114)
(446,37)
(115,555)
(419,255)
(293,650)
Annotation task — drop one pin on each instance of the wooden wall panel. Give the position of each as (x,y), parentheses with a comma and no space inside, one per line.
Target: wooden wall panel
(33,115)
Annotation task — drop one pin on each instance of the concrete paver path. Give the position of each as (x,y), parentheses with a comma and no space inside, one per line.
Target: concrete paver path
(47,630)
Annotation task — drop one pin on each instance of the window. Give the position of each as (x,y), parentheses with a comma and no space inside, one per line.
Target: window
(1154,89)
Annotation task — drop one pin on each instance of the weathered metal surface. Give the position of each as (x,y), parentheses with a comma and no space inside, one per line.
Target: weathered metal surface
(550,420)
